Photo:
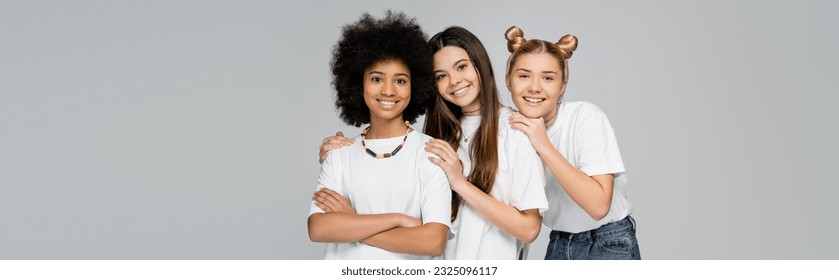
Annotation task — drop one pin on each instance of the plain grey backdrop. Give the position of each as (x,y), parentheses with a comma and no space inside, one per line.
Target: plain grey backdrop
(190,129)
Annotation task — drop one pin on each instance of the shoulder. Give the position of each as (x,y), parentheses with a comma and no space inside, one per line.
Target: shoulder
(505,112)
(419,136)
(582,113)
(426,168)
(503,119)
(506,132)
(342,153)
(587,119)
(416,141)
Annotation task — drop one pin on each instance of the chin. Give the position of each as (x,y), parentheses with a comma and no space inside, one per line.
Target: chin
(531,112)
(459,102)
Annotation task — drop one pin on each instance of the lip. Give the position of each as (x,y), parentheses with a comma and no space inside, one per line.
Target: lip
(387,103)
(461,91)
(533,100)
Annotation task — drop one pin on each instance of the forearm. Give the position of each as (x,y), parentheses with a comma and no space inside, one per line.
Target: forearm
(426,240)
(592,196)
(338,227)
(523,225)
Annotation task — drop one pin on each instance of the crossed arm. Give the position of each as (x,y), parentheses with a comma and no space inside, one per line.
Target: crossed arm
(426,240)
(338,227)
(394,232)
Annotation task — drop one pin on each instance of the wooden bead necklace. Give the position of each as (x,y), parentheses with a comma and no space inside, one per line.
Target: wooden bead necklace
(385,155)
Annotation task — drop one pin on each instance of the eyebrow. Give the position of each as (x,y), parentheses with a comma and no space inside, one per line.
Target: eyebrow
(383,73)
(453,65)
(529,71)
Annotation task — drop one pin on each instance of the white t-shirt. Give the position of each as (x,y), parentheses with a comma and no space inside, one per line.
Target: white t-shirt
(520,182)
(584,136)
(405,183)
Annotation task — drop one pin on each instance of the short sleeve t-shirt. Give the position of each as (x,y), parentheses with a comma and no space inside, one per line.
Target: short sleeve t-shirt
(519,182)
(406,183)
(584,136)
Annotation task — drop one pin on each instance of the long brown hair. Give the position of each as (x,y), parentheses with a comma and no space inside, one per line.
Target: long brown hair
(443,119)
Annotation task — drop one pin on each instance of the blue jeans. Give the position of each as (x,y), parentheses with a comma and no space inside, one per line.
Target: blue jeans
(612,241)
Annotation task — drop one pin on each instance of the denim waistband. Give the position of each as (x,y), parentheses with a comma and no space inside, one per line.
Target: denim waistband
(626,224)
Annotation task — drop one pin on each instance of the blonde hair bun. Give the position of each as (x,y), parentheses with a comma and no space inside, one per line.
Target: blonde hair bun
(515,37)
(567,45)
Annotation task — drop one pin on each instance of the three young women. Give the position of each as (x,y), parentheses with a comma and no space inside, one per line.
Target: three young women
(587,182)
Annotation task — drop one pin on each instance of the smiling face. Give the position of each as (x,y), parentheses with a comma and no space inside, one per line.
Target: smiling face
(387,90)
(536,85)
(457,79)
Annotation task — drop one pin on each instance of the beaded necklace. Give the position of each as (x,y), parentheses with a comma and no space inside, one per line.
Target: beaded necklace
(471,112)
(385,155)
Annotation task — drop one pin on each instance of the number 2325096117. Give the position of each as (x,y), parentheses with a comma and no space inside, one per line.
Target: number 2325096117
(460,270)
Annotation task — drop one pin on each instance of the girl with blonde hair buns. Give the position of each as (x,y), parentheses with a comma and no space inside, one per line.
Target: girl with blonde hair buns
(586,179)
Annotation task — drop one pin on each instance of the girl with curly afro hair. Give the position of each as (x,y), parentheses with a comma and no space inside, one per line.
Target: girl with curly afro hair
(380,197)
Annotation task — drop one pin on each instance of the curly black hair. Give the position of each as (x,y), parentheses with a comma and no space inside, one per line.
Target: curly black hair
(369,41)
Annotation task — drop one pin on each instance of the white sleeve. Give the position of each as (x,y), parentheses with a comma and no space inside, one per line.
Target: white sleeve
(528,174)
(436,196)
(597,146)
(329,177)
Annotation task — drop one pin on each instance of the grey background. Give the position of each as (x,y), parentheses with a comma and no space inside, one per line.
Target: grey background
(189,129)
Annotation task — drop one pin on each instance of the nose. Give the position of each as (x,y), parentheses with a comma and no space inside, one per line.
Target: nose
(534,87)
(388,89)
(454,80)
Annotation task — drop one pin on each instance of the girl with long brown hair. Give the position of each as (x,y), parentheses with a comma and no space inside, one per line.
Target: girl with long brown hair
(497,203)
